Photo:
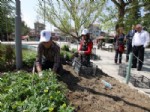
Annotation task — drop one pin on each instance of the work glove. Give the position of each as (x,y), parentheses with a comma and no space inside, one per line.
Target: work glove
(40,74)
(81,52)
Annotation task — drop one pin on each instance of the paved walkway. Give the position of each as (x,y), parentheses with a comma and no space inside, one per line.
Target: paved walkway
(106,63)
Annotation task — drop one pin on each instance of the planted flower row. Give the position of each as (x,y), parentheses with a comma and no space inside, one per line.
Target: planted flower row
(24,92)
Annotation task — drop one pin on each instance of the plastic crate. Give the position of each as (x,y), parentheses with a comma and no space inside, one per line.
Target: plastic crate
(87,70)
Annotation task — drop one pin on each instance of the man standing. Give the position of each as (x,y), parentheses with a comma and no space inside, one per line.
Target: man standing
(139,43)
(128,39)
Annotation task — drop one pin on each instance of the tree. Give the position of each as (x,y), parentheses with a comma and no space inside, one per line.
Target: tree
(7,15)
(124,6)
(24,28)
(146,18)
(121,5)
(70,16)
(133,16)
(108,18)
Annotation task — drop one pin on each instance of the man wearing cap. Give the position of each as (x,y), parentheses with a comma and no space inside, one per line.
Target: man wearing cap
(48,53)
(85,47)
(140,41)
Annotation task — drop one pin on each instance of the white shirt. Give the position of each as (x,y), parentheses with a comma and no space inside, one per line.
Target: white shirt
(141,38)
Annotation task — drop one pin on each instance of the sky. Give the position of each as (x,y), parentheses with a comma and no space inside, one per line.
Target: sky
(29,14)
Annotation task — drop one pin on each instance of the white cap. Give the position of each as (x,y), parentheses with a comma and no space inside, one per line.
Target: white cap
(85,32)
(45,36)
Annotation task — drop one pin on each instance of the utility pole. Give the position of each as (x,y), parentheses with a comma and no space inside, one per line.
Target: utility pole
(44,12)
(18,44)
(128,74)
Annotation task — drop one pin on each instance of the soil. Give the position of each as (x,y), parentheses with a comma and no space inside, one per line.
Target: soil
(88,94)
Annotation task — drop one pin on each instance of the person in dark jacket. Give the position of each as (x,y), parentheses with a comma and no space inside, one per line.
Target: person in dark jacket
(48,54)
(128,39)
(119,44)
(85,47)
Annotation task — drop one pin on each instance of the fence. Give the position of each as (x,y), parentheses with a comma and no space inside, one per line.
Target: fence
(138,81)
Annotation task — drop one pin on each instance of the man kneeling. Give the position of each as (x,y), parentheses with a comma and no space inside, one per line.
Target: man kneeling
(48,54)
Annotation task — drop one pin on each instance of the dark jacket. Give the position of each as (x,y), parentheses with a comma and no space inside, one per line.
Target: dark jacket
(119,41)
(129,36)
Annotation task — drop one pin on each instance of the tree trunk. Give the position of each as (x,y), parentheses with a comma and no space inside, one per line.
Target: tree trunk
(121,14)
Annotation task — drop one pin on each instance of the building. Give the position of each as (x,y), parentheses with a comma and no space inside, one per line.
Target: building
(38,27)
(94,31)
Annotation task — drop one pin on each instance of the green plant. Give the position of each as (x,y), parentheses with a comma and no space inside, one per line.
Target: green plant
(9,54)
(65,48)
(28,57)
(73,50)
(65,54)
(7,57)
(2,51)
(23,92)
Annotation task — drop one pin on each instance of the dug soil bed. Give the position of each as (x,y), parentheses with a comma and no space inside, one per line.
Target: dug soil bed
(88,94)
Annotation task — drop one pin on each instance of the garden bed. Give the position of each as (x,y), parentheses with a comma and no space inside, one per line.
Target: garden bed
(88,94)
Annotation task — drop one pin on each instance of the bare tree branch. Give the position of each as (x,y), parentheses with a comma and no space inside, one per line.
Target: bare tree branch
(116,3)
(72,15)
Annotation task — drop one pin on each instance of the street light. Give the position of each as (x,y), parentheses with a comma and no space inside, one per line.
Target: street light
(44,11)
(18,45)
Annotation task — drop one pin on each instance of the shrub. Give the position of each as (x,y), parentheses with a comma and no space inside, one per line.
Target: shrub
(7,57)
(23,92)
(73,50)
(67,55)
(65,48)
(28,58)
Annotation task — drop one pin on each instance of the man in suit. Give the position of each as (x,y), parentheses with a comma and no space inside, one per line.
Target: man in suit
(140,41)
(128,39)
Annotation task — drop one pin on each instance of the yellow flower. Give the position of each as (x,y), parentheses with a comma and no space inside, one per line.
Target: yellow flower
(58,92)
(0,103)
(51,109)
(51,97)
(64,105)
(45,90)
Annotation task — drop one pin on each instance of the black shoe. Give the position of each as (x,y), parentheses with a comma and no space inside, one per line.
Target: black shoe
(133,66)
(138,69)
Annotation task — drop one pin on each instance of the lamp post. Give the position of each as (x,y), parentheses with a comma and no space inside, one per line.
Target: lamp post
(44,11)
(18,44)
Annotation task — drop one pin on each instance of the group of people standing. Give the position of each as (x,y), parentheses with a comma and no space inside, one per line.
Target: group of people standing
(136,41)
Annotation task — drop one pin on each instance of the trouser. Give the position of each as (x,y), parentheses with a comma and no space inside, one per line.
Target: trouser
(138,52)
(85,60)
(129,50)
(118,53)
(46,64)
